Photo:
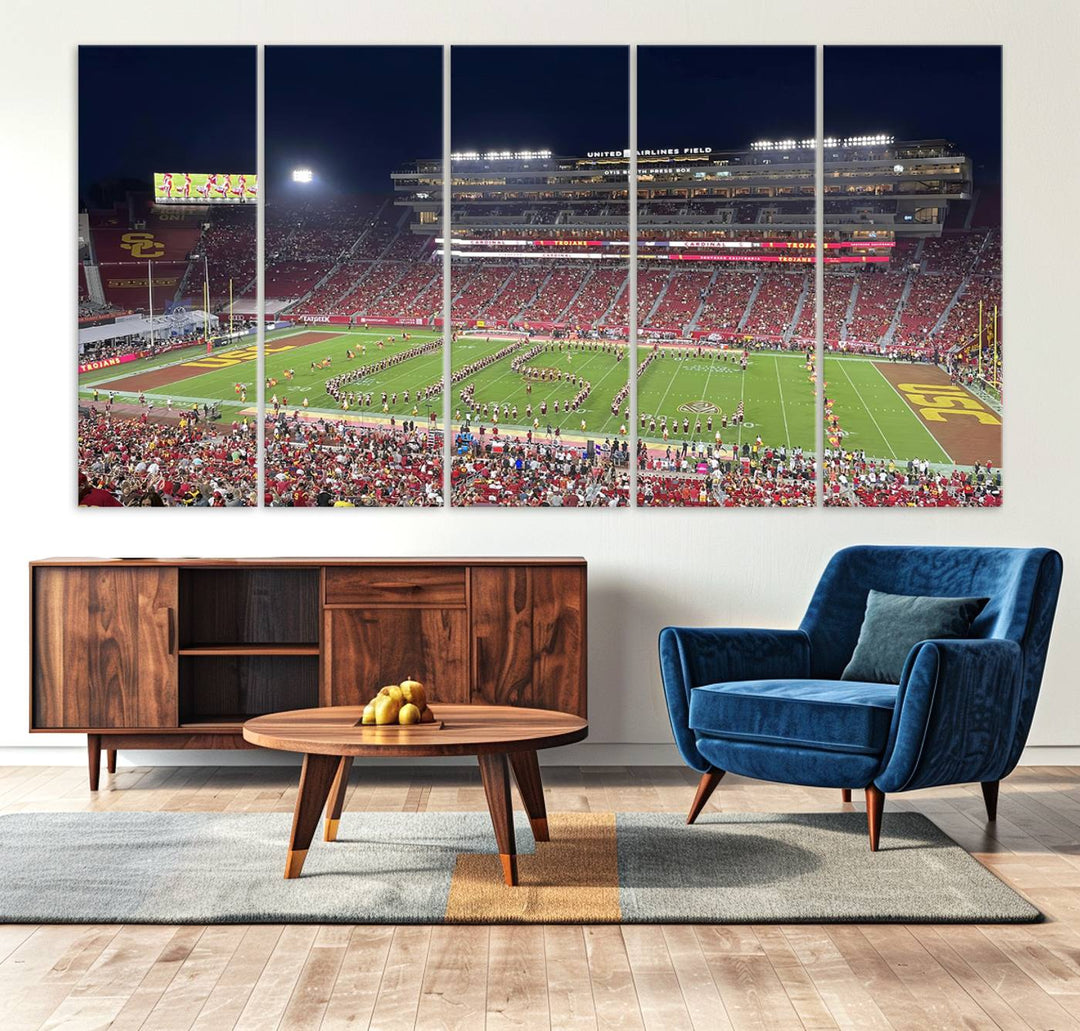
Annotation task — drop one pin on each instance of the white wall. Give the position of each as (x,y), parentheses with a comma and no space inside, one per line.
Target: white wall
(647,568)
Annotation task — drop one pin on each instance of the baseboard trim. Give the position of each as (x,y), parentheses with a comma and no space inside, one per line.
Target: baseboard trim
(587,753)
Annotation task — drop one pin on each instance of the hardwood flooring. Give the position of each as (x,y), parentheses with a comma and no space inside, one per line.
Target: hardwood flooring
(560,977)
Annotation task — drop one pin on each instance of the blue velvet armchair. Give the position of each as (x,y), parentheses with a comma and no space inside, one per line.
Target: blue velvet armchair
(770,704)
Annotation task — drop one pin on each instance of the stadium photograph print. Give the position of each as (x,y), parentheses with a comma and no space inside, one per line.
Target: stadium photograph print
(166,347)
(539,225)
(704,359)
(354,374)
(913,394)
(725,276)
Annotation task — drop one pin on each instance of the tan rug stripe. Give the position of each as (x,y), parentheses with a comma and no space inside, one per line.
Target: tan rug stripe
(574,878)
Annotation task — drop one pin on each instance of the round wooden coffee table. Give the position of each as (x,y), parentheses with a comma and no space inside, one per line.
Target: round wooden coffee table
(500,736)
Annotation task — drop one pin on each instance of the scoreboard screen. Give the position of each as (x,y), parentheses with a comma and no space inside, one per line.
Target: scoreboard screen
(205,188)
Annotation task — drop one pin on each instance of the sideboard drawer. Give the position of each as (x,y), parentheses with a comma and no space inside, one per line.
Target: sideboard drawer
(395,585)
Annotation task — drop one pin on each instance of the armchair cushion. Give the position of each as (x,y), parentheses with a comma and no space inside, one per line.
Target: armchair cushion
(830,715)
(895,623)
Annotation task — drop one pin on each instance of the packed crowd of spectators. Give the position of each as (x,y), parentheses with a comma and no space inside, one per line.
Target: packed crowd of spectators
(853,480)
(328,463)
(538,473)
(774,306)
(755,476)
(876,303)
(133,461)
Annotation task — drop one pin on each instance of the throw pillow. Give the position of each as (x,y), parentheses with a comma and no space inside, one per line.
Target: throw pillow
(895,623)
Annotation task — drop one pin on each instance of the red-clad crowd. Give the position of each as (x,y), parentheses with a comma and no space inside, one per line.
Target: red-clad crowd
(132,462)
(758,477)
(325,462)
(535,474)
(853,480)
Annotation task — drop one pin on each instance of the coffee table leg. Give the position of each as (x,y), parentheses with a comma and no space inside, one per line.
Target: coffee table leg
(527,774)
(337,798)
(496,777)
(315,780)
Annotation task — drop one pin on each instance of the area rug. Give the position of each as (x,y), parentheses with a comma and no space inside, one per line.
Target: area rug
(208,868)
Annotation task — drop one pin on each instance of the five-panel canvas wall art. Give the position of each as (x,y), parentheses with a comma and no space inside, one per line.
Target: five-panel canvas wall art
(658,282)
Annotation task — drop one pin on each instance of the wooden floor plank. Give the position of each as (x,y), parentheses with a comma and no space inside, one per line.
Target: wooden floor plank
(699,992)
(517,979)
(569,987)
(356,988)
(655,981)
(267,1001)
(402,979)
(614,996)
(454,990)
(751,992)
(230,995)
(189,989)
(146,993)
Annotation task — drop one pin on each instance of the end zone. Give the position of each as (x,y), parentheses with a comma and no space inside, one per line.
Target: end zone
(964,426)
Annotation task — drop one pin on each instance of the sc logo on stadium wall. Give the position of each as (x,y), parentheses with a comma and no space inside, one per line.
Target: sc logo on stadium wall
(142,245)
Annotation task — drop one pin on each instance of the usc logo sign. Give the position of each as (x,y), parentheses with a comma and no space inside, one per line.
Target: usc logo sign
(936,403)
(142,245)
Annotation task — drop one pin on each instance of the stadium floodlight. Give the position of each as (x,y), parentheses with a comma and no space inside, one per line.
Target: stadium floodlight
(302,175)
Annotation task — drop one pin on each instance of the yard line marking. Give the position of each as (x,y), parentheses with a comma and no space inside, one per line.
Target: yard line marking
(742,397)
(937,443)
(671,383)
(783,410)
(867,407)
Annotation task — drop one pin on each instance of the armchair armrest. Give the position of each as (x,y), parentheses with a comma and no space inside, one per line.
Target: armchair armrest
(693,656)
(955,716)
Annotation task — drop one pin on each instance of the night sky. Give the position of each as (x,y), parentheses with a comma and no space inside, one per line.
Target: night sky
(920,93)
(164,108)
(723,97)
(565,99)
(354,114)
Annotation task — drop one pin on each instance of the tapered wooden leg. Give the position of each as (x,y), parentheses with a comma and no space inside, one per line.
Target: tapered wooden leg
(875,805)
(315,780)
(845,794)
(337,798)
(706,786)
(93,755)
(990,797)
(526,769)
(110,759)
(496,777)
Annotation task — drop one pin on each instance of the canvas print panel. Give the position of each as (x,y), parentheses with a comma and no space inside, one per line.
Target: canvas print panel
(725,197)
(539,244)
(354,358)
(166,252)
(913,331)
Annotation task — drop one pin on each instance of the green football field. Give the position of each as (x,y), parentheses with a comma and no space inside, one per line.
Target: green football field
(874,417)
(776,390)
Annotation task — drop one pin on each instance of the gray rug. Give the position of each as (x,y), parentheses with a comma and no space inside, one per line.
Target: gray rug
(206,868)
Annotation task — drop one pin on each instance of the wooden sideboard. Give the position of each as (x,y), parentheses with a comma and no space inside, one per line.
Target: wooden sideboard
(144,653)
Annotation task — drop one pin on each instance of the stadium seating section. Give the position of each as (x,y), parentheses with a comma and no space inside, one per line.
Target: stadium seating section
(362,257)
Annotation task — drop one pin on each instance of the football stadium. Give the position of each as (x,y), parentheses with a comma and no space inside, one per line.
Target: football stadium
(725,369)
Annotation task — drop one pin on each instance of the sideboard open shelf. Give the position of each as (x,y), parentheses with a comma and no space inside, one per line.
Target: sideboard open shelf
(178,653)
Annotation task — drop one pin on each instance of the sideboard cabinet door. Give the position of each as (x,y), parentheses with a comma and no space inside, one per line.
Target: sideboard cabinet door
(365,649)
(104,647)
(528,636)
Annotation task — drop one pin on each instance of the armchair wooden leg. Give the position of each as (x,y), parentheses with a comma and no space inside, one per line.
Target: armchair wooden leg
(706,786)
(990,797)
(845,794)
(875,804)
